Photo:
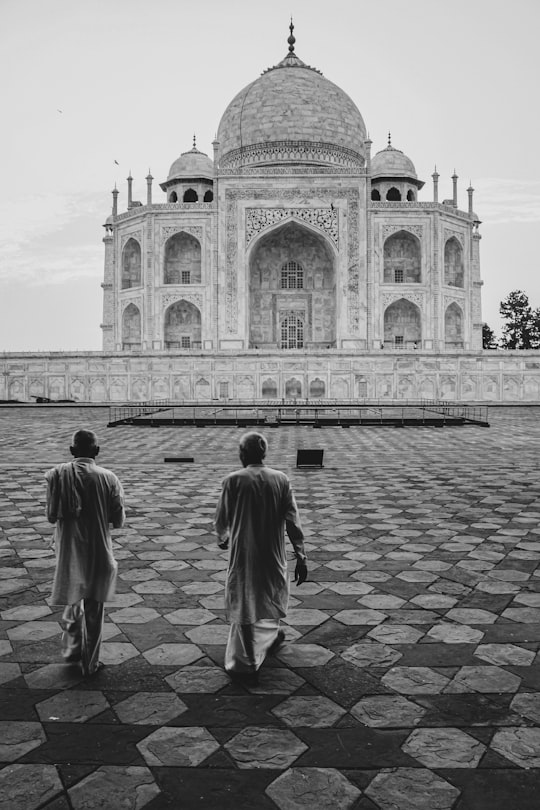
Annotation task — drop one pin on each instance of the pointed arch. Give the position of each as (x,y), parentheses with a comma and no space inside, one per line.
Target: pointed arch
(453,326)
(453,263)
(190,196)
(131,327)
(402,325)
(393,194)
(182,264)
(402,257)
(131,264)
(182,326)
(375,195)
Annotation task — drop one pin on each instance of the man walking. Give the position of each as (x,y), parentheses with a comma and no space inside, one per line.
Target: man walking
(82,500)
(255,506)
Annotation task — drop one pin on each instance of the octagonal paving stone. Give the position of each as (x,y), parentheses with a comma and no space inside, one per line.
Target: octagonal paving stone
(116,652)
(304,655)
(454,633)
(18,738)
(209,634)
(367,653)
(313,711)
(320,788)
(34,631)
(150,708)
(415,680)
(519,745)
(444,748)
(181,746)
(198,679)
(173,654)
(133,615)
(113,786)
(411,789)
(265,747)
(197,616)
(505,654)
(527,704)
(387,711)
(27,787)
(484,679)
(361,616)
(395,634)
(72,706)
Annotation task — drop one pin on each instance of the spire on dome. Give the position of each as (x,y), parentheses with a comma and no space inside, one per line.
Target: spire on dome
(194,141)
(389,146)
(291,38)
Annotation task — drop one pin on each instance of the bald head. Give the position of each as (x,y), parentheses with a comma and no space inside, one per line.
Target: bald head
(84,444)
(253,447)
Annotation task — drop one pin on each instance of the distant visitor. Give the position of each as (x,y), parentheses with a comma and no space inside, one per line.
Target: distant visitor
(255,507)
(82,500)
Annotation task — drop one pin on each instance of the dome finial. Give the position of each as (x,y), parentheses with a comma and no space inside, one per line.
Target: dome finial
(194,141)
(389,140)
(291,39)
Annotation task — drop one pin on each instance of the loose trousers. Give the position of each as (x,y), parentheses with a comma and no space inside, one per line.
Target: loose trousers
(248,645)
(83,631)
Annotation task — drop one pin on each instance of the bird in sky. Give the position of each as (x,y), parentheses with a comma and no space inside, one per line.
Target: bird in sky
(117,163)
(60,111)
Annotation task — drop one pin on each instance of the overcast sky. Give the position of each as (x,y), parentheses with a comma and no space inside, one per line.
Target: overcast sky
(90,82)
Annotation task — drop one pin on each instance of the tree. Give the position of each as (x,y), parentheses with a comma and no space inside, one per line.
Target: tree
(489,341)
(522,324)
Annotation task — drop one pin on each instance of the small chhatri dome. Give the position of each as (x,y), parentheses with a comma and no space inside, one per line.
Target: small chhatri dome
(192,165)
(392,163)
(291,114)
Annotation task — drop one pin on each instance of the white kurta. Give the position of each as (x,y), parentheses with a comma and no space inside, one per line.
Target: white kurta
(82,500)
(255,506)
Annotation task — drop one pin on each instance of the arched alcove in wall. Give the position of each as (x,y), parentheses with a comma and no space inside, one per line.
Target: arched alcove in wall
(269,389)
(182,259)
(453,326)
(131,264)
(402,259)
(182,326)
(292,273)
(393,194)
(453,263)
(131,327)
(402,325)
(190,196)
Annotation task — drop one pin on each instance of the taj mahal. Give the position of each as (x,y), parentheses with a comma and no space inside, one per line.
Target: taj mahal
(296,262)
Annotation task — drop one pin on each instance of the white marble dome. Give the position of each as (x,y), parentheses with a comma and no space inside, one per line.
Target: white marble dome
(392,163)
(291,115)
(191,165)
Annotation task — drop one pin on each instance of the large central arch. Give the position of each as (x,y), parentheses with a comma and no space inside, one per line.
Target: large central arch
(292,274)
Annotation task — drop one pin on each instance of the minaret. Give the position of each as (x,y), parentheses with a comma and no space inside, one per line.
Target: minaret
(435,177)
(368,144)
(470,192)
(130,190)
(454,184)
(149,179)
(115,201)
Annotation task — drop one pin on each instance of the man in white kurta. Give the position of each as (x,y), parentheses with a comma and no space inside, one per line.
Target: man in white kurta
(255,507)
(82,500)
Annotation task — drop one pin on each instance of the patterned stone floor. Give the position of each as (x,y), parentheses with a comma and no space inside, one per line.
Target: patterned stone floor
(411,675)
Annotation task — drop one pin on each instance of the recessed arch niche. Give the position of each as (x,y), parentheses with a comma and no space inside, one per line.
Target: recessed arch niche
(402,259)
(270,303)
(453,263)
(131,264)
(182,259)
(182,326)
(453,326)
(131,327)
(402,324)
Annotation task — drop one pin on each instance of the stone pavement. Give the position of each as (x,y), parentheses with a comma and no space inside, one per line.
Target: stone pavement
(411,675)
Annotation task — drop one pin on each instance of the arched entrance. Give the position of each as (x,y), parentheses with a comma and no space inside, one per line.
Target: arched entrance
(182,328)
(402,325)
(292,283)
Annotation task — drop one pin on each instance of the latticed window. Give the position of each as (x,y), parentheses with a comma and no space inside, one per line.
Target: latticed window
(398,341)
(185,342)
(185,277)
(292,332)
(398,275)
(292,276)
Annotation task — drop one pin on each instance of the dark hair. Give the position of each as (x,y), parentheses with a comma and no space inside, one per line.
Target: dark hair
(253,445)
(84,439)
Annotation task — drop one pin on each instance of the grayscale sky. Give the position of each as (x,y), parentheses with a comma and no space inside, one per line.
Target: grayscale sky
(90,82)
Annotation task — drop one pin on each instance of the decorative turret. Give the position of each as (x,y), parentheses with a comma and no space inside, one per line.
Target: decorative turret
(435,177)
(393,176)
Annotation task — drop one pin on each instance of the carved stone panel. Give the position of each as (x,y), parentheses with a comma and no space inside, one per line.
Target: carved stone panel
(325,219)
